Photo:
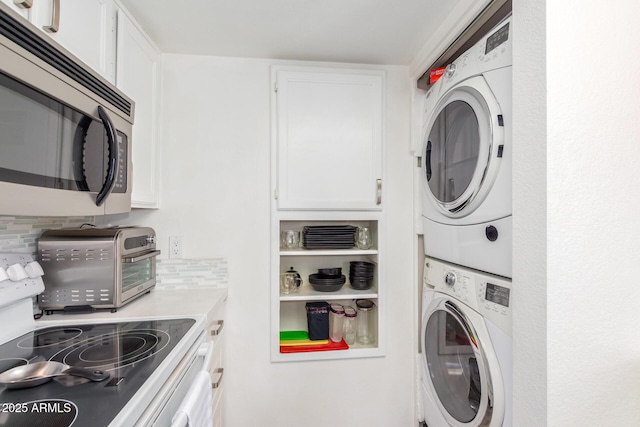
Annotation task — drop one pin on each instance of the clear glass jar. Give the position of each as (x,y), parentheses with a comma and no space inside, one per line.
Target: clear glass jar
(365,333)
(364,240)
(349,325)
(336,316)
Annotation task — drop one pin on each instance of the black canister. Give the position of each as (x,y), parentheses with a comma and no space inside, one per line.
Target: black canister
(318,320)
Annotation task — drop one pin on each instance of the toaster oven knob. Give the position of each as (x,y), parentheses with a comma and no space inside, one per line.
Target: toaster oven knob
(16,272)
(34,269)
(3,275)
(151,239)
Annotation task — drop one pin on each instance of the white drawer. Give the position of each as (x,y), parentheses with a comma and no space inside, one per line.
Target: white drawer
(217,405)
(215,365)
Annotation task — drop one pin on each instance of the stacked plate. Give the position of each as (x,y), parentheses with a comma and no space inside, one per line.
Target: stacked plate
(361,274)
(327,279)
(329,236)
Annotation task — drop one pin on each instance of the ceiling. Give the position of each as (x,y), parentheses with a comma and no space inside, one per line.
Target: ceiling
(355,31)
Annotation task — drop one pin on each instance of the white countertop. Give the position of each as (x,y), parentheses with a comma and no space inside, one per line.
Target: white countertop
(159,303)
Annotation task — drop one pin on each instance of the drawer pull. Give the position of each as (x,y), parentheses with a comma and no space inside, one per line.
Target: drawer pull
(216,383)
(217,329)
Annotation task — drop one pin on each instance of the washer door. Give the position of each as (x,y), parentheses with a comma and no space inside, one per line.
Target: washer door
(459,371)
(463,142)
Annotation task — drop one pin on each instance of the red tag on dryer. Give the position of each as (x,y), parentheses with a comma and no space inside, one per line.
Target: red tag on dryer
(435,74)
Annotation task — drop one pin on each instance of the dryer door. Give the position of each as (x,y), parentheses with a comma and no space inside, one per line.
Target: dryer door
(460,372)
(463,142)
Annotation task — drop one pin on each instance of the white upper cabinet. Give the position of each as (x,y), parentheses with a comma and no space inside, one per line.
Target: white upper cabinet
(328,131)
(138,72)
(86,28)
(23,7)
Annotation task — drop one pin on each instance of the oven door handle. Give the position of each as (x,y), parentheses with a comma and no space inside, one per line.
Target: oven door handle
(113,156)
(146,255)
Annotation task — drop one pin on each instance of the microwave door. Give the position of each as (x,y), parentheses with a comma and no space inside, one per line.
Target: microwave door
(45,143)
(28,120)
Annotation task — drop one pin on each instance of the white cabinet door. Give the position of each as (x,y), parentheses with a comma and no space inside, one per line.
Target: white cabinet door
(329,138)
(137,75)
(86,28)
(22,10)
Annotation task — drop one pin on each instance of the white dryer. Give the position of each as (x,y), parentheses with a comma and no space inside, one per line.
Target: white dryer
(466,359)
(466,171)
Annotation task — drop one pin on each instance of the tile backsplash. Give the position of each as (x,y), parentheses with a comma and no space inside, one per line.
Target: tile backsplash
(20,233)
(188,273)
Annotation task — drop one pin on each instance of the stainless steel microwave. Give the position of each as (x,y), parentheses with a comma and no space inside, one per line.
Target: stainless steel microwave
(65,131)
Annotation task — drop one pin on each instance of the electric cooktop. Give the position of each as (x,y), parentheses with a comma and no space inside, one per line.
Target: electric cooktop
(128,351)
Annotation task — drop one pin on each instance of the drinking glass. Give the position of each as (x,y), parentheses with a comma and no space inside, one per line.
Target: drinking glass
(364,240)
(290,239)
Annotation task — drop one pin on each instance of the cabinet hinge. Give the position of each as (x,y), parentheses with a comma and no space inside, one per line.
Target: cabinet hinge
(275,194)
(275,87)
(419,161)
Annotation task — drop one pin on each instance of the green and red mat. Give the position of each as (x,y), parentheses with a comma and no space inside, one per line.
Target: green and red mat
(298,341)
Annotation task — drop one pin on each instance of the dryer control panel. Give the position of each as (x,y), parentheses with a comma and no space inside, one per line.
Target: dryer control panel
(490,53)
(485,293)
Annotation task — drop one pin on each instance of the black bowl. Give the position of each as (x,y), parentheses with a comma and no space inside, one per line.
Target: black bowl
(362,267)
(327,288)
(359,272)
(330,272)
(361,264)
(360,284)
(321,280)
(361,277)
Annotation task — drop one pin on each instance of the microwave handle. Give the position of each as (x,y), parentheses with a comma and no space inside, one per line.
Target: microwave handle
(113,156)
(141,257)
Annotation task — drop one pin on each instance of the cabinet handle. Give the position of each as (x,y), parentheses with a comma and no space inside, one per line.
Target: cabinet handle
(23,4)
(379,191)
(55,17)
(217,330)
(216,383)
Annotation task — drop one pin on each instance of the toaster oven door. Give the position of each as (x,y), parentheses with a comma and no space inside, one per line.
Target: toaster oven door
(138,274)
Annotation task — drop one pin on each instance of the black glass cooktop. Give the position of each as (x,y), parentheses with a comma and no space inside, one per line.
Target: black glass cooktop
(128,351)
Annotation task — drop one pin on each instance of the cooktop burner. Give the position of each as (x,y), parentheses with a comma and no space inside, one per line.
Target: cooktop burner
(129,351)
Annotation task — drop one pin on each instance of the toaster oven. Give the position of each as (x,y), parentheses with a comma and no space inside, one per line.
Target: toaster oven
(96,268)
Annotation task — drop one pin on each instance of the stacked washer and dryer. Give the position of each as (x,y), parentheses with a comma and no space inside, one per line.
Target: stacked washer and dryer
(466,357)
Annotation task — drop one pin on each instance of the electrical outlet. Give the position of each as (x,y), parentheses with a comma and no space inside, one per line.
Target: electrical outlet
(175,246)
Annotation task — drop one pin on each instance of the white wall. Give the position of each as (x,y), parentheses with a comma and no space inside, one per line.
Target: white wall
(529,215)
(215,192)
(576,198)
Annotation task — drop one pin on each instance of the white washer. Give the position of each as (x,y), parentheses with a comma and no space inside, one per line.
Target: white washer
(466,359)
(466,171)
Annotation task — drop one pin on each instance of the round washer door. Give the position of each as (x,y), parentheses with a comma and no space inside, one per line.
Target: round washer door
(463,140)
(462,374)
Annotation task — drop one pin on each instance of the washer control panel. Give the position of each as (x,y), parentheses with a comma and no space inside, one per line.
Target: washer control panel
(485,293)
